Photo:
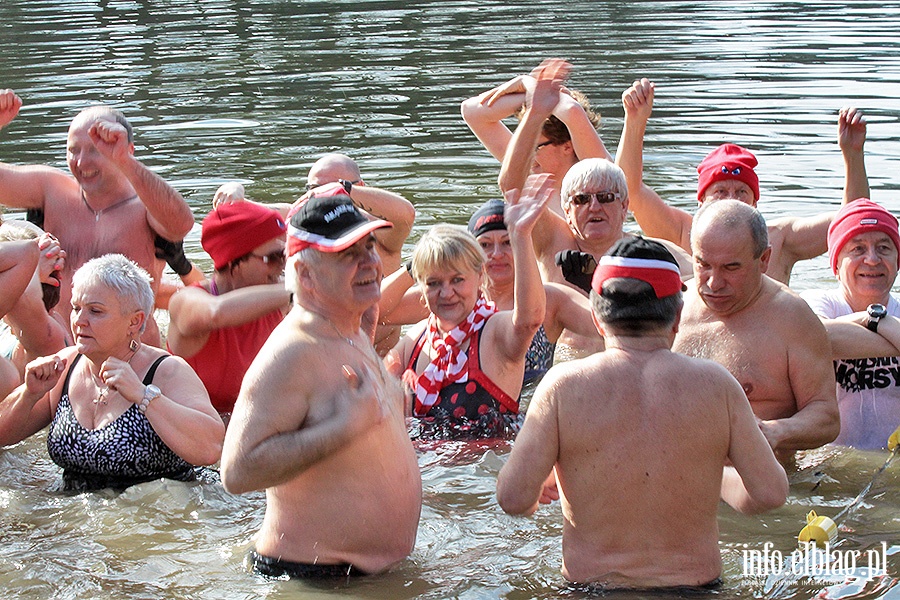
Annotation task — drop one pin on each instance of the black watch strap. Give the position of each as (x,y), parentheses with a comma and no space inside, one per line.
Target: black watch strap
(872,324)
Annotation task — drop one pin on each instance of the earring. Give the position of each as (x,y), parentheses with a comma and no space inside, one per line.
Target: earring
(134,345)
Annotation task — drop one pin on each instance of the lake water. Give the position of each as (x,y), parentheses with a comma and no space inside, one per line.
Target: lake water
(256,90)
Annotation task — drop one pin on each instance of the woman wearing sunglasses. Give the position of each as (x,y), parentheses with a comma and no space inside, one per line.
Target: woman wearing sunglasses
(219,325)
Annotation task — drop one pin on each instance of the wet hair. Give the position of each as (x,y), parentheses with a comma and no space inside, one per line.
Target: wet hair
(593,174)
(446,245)
(555,130)
(734,214)
(130,282)
(630,306)
(102,110)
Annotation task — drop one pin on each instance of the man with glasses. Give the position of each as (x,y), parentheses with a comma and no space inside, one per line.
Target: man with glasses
(594,199)
(219,325)
(342,170)
(728,172)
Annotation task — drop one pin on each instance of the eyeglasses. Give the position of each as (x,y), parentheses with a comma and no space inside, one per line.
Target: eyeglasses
(542,144)
(312,186)
(734,171)
(272,257)
(600,197)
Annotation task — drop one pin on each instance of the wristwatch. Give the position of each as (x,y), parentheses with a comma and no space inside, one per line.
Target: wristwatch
(876,313)
(151,393)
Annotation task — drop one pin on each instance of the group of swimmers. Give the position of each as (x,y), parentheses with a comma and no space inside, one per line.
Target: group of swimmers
(299,360)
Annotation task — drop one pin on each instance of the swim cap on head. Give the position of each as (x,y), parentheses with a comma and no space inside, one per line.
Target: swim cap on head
(860,216)
(488,217)
(643,259)
(234,230)
(728,161)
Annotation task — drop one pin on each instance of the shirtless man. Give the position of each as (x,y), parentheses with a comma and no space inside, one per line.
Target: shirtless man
(111,202)
(594,200)
(379,203)
(758,329)
(728,172)
(638,436)
(567,134)
(319,423)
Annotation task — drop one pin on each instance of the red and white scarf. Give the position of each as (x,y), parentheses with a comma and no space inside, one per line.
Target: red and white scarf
(449,363)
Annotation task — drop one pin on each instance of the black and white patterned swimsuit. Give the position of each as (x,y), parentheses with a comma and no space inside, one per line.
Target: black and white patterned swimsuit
(119,454)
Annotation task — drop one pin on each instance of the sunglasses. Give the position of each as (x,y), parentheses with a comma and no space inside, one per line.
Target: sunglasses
(271,257)
(600,197)
(541,145)
(312,186)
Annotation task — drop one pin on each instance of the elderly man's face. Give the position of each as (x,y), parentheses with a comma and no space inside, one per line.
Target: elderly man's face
(727,275)
(597,217)
(729,189)
(867,267)
(351,277)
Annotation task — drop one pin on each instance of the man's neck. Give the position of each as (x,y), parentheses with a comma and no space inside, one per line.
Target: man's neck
(649,342)
(344,322)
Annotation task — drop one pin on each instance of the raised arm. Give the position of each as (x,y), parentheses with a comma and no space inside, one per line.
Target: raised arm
(655,217)
(18,261)
(391,207)
(522,212)
(484,115)
(567,309)
(851,139)
(26,186)
(167,212)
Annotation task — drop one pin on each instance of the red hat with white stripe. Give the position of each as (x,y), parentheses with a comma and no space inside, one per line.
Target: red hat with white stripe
(643,259)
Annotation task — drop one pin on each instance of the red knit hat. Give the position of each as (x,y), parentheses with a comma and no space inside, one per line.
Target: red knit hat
(728,161)
(860,216)
(234,230)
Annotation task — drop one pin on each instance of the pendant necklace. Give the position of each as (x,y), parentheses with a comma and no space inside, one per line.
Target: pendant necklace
(104,389)
(97,213)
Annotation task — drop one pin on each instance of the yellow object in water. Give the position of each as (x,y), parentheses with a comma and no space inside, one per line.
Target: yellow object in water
(819,530)
(894,440)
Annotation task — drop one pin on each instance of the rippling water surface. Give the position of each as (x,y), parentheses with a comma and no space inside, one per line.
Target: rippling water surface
(255,91)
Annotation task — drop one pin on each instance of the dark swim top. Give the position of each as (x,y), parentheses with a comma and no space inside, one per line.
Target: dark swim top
(539,358)
(477,408)
(118,455)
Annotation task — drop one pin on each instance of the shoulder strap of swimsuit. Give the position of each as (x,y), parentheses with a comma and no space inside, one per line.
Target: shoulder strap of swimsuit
(417,349)
(65,389)
(148,378)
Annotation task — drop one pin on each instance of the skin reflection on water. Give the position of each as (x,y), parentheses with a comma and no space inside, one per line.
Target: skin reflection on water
(190,540)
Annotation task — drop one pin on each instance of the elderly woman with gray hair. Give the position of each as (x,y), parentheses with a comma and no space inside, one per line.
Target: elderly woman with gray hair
(120,412)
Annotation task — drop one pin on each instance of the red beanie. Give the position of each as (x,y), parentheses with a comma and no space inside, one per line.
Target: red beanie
(728,161)
(234,230)
(860,216)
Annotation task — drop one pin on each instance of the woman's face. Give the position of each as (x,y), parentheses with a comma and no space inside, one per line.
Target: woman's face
(97,321)
(499,267)
(451,293)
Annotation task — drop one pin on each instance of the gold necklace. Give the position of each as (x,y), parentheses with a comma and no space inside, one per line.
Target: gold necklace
(104,389)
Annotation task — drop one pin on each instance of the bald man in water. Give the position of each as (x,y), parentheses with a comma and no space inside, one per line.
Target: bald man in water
(380,204)
(637,436)
(758,329)
(108,203)
(728,172)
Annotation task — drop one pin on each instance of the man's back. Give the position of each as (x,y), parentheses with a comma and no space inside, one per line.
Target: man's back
(641,436)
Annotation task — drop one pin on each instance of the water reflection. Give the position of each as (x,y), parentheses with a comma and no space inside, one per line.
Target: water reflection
(256,90)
